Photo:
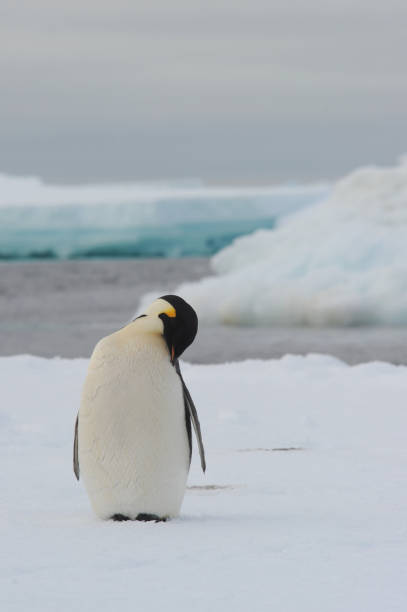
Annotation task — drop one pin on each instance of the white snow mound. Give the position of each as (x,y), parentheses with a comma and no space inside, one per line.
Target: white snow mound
(341,262)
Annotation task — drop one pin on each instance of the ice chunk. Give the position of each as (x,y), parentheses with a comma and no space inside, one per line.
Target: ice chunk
(340,262)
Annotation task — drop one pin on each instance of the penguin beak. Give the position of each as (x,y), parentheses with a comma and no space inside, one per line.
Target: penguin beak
(171,313)
(168,331)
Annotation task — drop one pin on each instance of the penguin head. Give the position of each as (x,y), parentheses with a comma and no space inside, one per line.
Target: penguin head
(180,322)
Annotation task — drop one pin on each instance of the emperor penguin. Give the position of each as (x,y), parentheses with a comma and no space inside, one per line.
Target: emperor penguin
(133,431)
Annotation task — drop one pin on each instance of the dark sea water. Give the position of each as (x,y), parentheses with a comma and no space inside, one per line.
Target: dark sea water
(64,307)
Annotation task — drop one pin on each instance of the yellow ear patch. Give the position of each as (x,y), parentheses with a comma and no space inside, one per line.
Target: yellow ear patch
(161,307)
(170,312)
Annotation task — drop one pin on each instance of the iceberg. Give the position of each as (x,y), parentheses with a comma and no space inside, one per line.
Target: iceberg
(340,262)
(136,219)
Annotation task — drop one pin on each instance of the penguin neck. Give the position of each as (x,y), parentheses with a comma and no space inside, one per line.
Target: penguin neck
(146,325)
(142,332)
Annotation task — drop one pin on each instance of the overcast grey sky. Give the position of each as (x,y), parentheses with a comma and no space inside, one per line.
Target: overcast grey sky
(226,90)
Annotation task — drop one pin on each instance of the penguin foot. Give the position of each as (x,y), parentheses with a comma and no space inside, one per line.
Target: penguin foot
(120,517)
(150,517)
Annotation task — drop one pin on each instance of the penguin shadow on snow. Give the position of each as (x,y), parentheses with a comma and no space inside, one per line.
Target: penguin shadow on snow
(211,487)
(270,450)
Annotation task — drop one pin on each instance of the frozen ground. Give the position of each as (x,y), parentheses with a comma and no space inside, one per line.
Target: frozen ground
(303,507)
(64,308)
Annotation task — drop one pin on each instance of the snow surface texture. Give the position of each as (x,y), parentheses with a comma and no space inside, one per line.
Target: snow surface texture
(319,526)
(135,219)
(340,262)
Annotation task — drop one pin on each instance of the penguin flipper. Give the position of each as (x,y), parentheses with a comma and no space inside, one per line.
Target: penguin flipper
(75,451)
(190,407)
(195,422)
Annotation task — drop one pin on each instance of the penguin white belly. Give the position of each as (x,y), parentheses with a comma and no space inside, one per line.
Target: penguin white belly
(133,442)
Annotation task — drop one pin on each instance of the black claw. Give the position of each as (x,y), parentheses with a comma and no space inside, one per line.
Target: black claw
(120,517)
(150,517)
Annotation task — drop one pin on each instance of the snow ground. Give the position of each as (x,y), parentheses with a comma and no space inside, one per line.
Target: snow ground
(319,528)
